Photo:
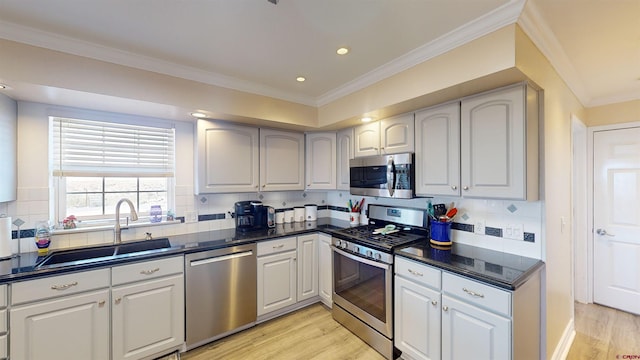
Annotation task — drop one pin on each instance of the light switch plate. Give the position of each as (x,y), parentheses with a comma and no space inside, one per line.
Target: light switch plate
(479,227)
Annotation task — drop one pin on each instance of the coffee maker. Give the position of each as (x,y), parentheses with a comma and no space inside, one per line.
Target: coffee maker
(253,215)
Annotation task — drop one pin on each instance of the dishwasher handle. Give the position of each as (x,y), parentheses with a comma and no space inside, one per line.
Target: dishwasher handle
(215,259)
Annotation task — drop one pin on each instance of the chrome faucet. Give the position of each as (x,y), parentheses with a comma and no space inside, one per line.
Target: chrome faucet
(117,239)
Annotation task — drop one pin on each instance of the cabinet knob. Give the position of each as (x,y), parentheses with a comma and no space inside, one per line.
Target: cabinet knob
(101,303)
(454,187)
(434,302)
(264,186)
(445,308)
(465,188)
(118,300)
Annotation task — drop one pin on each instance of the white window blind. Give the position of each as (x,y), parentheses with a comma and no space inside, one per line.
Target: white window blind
(95,148)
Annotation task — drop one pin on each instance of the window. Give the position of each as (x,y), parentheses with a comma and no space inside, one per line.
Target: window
(95,164)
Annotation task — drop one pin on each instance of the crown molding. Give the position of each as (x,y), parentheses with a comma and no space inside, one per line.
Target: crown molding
(505,15)
(39,38)
(537,29)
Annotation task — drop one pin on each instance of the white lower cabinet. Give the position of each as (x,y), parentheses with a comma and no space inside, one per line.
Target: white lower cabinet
(307,267)
(277,280)
(61,317)
(325,270)
(132,311)
(469,332)
(147,314)
(441,315)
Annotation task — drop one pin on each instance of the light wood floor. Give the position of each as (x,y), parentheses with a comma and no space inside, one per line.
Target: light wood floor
(309,333)
(604,333)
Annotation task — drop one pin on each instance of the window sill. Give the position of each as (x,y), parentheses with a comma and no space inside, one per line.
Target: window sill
(131,225)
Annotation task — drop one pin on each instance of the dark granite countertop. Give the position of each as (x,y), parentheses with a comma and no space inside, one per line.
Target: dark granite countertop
(24,266)
(497,268)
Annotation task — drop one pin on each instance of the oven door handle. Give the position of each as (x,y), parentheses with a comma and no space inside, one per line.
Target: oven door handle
(361,259)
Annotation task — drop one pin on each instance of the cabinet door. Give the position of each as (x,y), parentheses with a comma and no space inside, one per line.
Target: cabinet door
(307,267)
(281,160)
(438,150)
(417,320)
(396,134)
(227,158)
(493,147)
(8,160)
(469,332)
(367,139)
(344,154)
(325,269)
(147,317)
(276,281)
(71,327)
(321,161)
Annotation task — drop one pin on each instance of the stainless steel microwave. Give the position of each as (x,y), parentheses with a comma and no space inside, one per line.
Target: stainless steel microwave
(383,175)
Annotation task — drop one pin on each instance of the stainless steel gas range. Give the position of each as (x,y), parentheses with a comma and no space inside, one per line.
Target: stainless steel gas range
(363,272)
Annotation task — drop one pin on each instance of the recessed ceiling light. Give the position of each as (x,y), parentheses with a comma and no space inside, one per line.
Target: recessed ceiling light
(342,51)
(366,119)
(198,114)
(301,79)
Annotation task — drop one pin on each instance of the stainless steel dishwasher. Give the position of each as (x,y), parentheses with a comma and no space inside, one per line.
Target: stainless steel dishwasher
(220,293)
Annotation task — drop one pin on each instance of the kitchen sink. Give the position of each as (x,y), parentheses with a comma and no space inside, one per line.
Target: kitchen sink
(101,253)
(138,246)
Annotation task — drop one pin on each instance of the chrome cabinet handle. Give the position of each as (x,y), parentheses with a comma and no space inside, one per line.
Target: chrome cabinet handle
(603,232)
(118,300)
(278,246)
(454,187)
(465,188)
(472,293)
(445,308)
(64,286)
(434,302)
(101,303)
(416,273)
(149,272)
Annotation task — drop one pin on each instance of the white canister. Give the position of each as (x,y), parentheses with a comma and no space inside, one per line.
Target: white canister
(311,212)
(288,216)
(280,217)
(298,213)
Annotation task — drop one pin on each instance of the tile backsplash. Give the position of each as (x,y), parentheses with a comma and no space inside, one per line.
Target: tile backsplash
(213,212)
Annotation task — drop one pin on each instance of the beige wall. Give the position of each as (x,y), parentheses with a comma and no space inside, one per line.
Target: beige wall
(559,104)
(613,114)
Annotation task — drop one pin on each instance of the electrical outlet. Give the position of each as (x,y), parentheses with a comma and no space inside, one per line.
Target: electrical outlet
(191,217)
(513,231)
(479,227)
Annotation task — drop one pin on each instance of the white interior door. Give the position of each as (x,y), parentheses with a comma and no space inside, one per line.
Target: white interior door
(616,218)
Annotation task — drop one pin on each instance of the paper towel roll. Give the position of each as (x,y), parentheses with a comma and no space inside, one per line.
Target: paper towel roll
(5,237)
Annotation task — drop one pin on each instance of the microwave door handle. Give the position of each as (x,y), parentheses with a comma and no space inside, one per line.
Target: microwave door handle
(391,176)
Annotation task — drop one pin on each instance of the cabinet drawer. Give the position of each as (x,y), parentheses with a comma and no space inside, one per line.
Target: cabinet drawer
(3,296)
(277,246)
(60,285)
(146,270)
(420,273)
(477,293)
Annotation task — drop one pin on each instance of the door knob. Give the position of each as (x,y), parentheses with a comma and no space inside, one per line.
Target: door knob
(603,232)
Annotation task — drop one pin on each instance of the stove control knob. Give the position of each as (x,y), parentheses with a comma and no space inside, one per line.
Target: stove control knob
(369,253)
(378,256)
(356,249)
(344,244)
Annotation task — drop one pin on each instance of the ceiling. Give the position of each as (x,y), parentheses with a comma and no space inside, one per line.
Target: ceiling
(260,47)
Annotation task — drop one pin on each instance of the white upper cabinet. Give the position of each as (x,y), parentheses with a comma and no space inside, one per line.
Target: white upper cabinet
(281,160)
(499,144)
(367,139)
(344,154)
(8,138)
(388,136)
(228,158)
(396,134)
(437,155)
(321,161)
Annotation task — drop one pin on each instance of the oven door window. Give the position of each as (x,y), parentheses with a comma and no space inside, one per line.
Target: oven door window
(361,284)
